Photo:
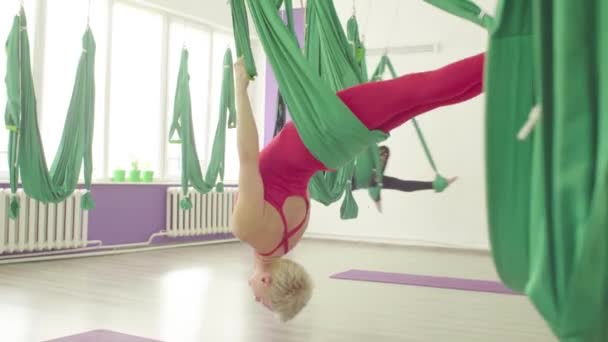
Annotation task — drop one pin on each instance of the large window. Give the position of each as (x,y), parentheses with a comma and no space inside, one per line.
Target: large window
(135,96)
(198,43)
(138,50)
(8,10)
(66,22)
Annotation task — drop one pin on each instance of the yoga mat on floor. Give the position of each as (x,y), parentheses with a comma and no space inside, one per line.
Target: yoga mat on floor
(425,281)
(102,336)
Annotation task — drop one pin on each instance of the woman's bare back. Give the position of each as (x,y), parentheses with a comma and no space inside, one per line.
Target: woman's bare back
(269,231)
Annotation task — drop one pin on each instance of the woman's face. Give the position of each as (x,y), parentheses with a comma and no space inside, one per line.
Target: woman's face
(259,282)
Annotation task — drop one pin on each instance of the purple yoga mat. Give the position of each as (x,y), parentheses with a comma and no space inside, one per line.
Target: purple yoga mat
(426,281)
(102,336)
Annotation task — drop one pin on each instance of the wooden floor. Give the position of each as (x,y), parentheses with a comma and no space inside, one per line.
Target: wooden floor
(200,294)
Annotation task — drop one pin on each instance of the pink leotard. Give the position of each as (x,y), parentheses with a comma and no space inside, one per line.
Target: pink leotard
(286,165)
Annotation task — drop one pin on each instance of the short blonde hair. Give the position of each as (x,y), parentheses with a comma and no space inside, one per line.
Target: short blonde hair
(290,289)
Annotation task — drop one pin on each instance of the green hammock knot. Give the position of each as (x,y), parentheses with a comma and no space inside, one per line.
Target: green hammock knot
(360,54)
(185,203)
(87,202)
(349,208)
(219,187)
(13,211)
(440,183)
(11,128)
(374,192)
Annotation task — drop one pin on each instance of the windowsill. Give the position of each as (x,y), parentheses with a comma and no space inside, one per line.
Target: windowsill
(153,183)
(111,182)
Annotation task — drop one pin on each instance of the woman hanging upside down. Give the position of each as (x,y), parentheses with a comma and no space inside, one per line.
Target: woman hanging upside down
(393,183)
(273,208)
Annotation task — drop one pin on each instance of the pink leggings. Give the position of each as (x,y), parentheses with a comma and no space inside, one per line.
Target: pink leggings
(388,104)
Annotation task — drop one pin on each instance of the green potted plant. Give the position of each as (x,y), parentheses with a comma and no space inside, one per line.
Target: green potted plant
(119,175)
(147,174)
(135,173)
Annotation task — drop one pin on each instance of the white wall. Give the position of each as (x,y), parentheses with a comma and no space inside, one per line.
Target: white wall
(456,217)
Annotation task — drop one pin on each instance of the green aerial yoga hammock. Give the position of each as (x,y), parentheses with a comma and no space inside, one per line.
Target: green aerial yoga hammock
(327,127)
(26,153)
(357,46)
(548,195)
(465,9)
(281,112)
(241,36)
(440,183)
(241,30)
(335,59)
(182,126)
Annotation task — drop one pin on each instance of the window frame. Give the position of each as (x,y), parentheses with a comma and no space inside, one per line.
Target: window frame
(168,17)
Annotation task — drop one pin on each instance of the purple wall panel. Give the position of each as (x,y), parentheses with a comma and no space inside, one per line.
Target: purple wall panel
(127,213)
(271,82)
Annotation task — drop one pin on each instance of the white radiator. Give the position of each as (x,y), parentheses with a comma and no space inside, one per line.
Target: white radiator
(42,226)
(210,213)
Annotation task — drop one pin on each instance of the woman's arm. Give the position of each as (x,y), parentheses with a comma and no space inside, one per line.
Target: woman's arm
(246,130)
(248,212)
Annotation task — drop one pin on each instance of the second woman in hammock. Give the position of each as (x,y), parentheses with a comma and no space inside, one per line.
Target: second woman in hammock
(392,183)
(273,207)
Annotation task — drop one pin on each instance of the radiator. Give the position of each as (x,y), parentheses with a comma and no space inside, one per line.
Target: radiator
(210,213)
(40,226)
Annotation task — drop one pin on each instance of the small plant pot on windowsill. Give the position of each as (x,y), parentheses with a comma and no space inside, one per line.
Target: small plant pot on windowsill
(147,176)
(134,176)
(119,176)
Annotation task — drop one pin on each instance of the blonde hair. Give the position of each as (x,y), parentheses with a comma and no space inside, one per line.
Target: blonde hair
(290,289)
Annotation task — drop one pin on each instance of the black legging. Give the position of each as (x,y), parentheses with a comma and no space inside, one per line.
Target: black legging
(392,183)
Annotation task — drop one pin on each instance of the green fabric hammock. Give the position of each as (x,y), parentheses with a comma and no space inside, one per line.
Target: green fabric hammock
(465,9)
(548,195)
(308,97)
(327,127)
(240,25)
(281,112)
(227,118)
(357,46)
(334,56)
(182,126)
(26,153)
(440,183)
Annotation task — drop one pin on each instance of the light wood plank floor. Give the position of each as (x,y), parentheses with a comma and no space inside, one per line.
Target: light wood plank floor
(200,294)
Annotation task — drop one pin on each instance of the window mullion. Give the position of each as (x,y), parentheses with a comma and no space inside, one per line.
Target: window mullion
(210,133)
(164,96)
(38,60)
(108,93)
